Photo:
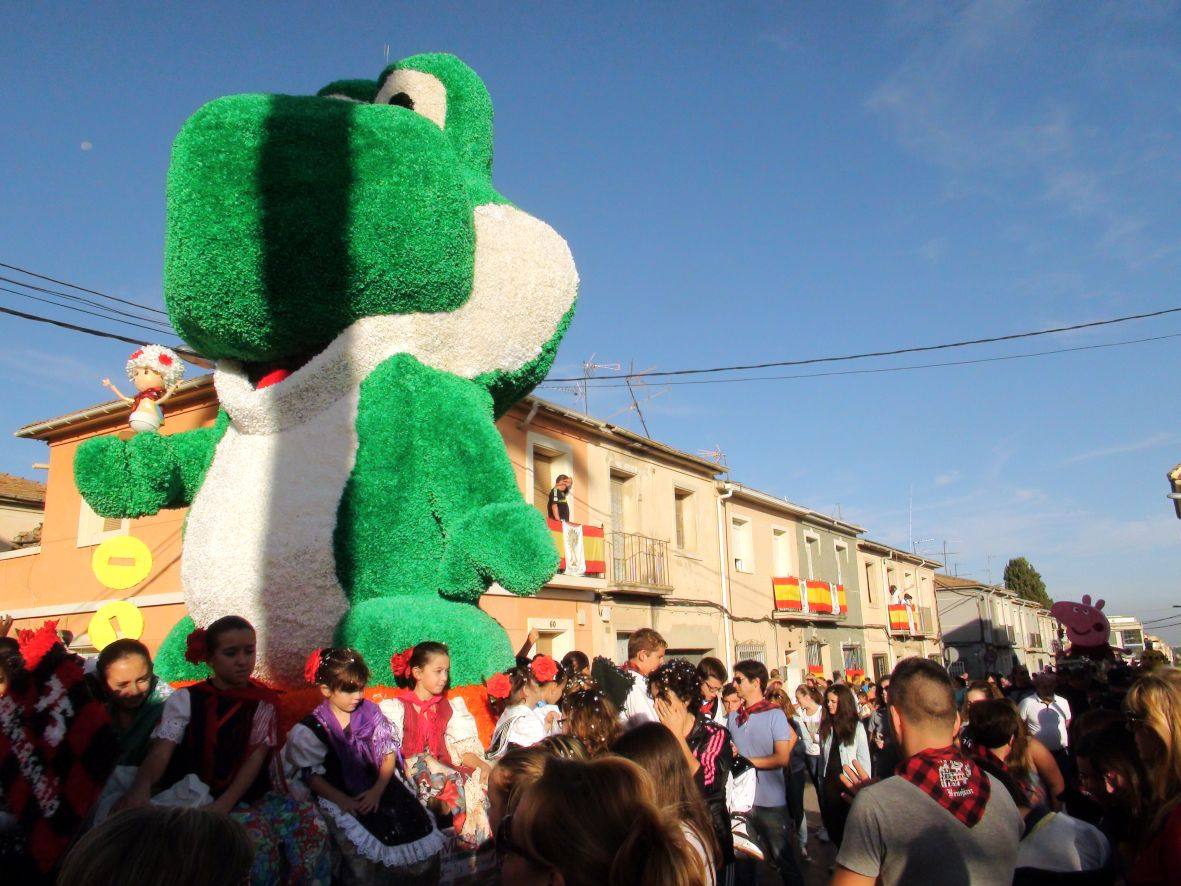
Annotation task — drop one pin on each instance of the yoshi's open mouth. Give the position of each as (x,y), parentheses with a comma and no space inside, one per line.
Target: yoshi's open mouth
(272,372)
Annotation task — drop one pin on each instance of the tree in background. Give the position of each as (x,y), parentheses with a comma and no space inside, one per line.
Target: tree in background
(1021,577)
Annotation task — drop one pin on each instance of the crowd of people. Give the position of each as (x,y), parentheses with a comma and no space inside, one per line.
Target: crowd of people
(657,771)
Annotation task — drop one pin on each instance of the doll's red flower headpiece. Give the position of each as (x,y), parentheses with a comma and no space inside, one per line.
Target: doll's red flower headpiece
(499,686)
(196,650)
(543,668)
(312,666)
(400,662)
(34,644)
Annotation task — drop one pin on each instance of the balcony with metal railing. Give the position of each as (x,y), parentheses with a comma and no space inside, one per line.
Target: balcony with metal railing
(639,563)
(809,599)
(580,549)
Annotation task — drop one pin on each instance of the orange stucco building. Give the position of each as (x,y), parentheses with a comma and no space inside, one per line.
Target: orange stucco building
(629,579)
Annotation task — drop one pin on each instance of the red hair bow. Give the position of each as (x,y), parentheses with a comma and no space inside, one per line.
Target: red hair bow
(543,668)
(400,663)
(312,666)
(195,649)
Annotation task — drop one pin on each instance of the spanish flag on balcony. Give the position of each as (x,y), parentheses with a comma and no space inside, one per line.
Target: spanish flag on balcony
(818,670)
(579,547)
(844,603)
(820,597)
(899,617)
(787,594)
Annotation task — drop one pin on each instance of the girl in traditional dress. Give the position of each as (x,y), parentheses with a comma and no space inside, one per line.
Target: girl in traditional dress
(345,754)
(439,740)
(525,719)
(135,698)
(211,748)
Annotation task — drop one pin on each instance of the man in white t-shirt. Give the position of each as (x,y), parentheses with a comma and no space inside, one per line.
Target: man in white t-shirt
(1047,715)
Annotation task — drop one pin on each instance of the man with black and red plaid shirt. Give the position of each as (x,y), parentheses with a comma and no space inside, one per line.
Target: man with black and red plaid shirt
(940,819)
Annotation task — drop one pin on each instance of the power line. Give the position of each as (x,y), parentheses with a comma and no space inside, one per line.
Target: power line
(56,304)
(79,299)
(1172,624)
(184,352)
(82,289)
(726,381)
(893,353)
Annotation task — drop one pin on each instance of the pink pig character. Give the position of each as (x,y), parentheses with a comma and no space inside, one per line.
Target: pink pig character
(1086,625)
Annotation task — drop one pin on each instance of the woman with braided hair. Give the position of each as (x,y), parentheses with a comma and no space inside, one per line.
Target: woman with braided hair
(675,687)
(344,753)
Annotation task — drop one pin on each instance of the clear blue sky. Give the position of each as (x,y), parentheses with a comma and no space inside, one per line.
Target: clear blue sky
(736,186)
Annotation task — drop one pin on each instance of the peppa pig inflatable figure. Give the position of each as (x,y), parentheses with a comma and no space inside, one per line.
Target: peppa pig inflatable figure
(1087,628)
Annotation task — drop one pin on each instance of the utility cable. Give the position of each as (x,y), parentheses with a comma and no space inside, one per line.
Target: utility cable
(79,299)
(892,353)
(82,289)
(724,381)
(47,301)
(184,352)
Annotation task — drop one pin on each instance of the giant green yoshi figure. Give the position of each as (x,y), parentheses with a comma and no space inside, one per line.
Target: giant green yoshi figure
(372,304)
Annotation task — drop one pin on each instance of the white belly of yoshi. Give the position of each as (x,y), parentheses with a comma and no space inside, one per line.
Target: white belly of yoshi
(259,536)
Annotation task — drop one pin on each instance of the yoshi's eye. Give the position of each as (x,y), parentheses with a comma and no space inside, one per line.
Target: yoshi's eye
(422,93)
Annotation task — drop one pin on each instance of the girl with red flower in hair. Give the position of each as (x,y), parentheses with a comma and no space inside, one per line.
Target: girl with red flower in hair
(345,755)
(532,688)
(213,747)
(440,741)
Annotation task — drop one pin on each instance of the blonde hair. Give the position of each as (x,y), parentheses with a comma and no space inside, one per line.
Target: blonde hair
(597,823)
(1155,699)
(778,696)
(160,846)
(655,750)
(514,772)
(521,767)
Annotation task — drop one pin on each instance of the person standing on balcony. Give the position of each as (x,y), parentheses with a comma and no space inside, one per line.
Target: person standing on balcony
(558,507)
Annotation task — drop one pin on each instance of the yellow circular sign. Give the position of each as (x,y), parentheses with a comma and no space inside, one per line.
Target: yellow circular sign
(102,628)
(121,562)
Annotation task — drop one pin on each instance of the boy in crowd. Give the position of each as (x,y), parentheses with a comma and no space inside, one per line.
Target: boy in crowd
(712,674)
(645,652)
(731,701)
(942,819)
(762,734)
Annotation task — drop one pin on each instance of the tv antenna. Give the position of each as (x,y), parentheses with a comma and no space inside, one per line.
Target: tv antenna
(716,455)
(635,380)
(589,367)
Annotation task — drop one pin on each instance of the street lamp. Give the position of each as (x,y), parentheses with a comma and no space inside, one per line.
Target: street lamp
(1175,489)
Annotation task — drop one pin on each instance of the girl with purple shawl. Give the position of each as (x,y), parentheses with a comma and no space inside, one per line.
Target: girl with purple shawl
(345,755)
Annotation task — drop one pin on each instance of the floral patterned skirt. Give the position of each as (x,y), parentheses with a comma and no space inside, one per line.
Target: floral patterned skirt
(290,841)
(465,797)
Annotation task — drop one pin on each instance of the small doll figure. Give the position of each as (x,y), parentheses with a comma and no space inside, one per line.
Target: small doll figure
(155,371)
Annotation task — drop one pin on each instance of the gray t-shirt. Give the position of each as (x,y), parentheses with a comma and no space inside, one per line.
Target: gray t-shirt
(899,833)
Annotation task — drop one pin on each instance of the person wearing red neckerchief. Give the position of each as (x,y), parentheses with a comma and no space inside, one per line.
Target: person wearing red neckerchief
(645,653)
(763,735)
(941,819)
(712,674)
